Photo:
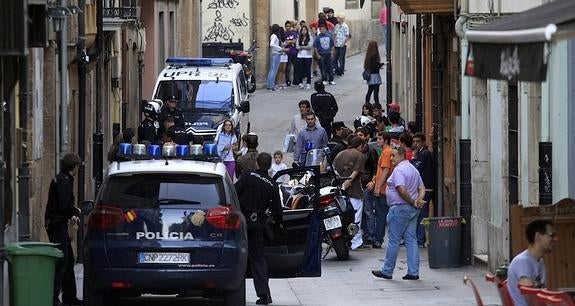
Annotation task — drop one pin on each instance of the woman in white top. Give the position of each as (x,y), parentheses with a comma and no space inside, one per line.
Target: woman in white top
(227,143)
(304,55)
(276,50)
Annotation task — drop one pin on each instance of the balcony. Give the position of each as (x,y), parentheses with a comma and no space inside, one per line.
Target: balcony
(118,12)
(425,6)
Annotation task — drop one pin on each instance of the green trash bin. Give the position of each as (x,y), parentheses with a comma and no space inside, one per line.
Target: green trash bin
(444,248)
(31,270)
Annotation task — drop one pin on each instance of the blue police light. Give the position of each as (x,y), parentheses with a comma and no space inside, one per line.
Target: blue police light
(198,62)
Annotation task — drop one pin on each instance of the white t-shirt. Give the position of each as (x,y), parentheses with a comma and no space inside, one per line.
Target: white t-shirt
(278,167)
(305,51)
(524,265)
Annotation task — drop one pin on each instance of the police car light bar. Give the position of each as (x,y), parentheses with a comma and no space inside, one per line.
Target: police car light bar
(198,62)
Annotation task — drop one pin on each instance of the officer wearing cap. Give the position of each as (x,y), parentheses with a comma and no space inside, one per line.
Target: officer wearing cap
(148,129)
(171,109)
(258,193)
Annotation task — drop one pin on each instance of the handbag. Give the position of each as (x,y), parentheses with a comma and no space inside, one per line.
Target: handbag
(366,74)
(289,143)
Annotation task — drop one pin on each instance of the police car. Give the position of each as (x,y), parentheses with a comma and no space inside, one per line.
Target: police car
(172,225)
(208,91)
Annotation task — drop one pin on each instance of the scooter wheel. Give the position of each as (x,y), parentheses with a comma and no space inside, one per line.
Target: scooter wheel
(341,248)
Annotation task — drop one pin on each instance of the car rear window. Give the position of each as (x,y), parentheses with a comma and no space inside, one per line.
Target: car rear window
(153,190)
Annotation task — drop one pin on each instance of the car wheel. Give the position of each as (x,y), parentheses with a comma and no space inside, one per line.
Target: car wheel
(93,297)
(236,297)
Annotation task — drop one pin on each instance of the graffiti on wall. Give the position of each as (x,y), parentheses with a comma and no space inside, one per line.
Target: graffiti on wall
(225,20)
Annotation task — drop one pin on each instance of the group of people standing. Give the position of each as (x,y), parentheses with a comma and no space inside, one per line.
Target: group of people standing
(297,47)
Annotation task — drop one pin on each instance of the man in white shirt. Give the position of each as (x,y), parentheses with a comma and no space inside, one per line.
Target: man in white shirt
(298,121)
(341,39)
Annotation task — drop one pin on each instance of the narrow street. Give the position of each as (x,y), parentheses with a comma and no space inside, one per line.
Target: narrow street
(349,282)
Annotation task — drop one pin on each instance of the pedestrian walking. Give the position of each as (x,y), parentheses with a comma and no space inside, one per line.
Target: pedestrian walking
(372,64)
(404,192)
(324,106)
(227,143)
(423,162)
(61,211)
(350,163)
(258,193)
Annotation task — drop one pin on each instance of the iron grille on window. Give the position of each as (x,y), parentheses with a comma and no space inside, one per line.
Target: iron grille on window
(124,9)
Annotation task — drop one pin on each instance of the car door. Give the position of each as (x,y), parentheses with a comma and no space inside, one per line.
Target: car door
(295,251)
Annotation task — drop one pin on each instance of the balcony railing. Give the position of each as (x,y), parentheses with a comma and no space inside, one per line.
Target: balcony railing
(121,9)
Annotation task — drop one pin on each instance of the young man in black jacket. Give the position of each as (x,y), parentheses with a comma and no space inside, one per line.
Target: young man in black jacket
(60,210)
(423,161)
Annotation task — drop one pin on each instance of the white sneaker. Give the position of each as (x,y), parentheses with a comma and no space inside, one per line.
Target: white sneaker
(307,86)
(332,83)
(324,83)
(301,86)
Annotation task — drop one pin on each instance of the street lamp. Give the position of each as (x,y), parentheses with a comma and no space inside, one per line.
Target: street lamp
(58,16)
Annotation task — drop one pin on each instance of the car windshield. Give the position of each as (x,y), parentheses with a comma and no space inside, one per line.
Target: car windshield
(153,190)
(198,96)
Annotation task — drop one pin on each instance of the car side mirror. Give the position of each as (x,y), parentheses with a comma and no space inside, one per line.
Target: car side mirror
(86,207)
(244,107)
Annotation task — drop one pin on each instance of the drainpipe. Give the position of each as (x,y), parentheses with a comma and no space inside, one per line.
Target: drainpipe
(24,170)
(81,60)
(98,137)
(63,59)
(465,204)
(388,75)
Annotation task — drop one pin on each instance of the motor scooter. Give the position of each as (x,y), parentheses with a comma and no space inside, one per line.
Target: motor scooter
(337,212)
(244,57)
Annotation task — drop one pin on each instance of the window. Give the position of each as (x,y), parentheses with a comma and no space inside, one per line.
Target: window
(196,95)
(161,41)
(351,4)
(171,39)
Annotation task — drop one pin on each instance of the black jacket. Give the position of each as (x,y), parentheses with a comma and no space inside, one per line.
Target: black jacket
(424,163)
(147,131)
(176,114)
(60,207)
(258,192)
(324,106)
(370,168)
(180,135)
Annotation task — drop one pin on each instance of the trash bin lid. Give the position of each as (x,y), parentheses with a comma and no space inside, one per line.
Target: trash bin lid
(33,248)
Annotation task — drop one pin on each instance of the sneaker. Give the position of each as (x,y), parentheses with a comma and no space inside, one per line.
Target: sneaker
(363,246)
(307,86)
(331,83)
(376,245)
(410,277)
(324,83)
(380,274)
(73,302)
(301,86)
(264,300)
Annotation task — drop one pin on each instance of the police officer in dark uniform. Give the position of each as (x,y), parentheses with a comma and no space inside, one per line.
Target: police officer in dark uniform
(148,129)
(324,106)
(179,134)
(258,193)
(60,210)
(170,109)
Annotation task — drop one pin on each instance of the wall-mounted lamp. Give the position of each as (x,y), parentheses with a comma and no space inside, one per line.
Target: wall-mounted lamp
(58,16)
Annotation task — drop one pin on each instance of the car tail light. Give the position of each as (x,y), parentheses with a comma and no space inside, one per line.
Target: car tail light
(121,285)
(326,200)
(105,217)
(224,217)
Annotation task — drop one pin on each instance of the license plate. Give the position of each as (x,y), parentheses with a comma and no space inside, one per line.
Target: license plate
(164,258)
(332,222)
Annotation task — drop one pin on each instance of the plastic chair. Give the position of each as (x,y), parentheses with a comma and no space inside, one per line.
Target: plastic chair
(530,295)
(557,298)
(547,300)
(468,281)
(501,288)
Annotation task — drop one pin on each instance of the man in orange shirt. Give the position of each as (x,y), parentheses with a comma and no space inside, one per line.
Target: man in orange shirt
(384,169)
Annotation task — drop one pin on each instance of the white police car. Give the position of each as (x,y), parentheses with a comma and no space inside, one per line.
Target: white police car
(173,225)
(208,91)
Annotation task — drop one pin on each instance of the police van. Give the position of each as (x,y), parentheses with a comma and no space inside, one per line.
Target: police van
(208,90)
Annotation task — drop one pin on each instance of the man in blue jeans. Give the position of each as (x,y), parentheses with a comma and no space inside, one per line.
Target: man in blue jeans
(404,193)
(324,46)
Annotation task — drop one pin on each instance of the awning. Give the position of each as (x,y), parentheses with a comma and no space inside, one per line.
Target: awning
(514,47)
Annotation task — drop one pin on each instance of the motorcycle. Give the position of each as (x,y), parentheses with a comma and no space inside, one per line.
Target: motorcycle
(337,212)
(244,57)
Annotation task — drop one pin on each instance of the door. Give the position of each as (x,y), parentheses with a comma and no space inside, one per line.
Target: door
(295,251)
